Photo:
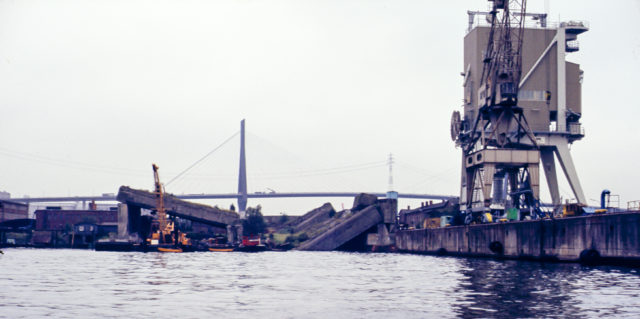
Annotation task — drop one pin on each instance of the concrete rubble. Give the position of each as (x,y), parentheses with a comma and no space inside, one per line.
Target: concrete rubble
(348,229)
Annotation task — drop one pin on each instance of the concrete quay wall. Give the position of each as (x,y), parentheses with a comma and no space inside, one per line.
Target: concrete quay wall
(600,238)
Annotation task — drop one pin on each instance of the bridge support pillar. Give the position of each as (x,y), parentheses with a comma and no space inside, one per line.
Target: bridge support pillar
(234,234)
(242,176)
(128,220)
(123,220)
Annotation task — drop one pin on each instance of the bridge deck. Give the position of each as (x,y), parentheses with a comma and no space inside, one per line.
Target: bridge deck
(110,198)
(178,207)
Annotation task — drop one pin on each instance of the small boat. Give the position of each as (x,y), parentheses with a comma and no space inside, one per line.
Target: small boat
(221,249)
(251,243)
(169,250)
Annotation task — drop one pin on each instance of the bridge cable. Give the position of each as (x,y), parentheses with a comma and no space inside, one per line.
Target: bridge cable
(202,159)
(306,172)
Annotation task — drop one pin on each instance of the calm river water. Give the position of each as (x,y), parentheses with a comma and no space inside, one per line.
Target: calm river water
(83,284)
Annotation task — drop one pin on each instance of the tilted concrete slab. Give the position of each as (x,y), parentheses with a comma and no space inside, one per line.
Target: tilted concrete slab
(178,207)
(312,218)
(355,225)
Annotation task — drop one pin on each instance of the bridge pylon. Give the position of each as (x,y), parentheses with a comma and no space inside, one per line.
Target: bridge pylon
(242,175)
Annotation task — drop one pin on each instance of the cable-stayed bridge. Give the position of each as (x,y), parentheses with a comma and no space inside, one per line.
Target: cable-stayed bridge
(242,195)
(231,195)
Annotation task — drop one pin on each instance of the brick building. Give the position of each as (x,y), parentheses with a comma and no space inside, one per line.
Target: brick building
(10,210)
(53,219)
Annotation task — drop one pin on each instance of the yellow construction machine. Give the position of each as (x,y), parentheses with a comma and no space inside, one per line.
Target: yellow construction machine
(164,234)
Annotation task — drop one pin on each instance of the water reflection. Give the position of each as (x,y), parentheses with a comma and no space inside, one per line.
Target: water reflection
(528,289)
(76,283)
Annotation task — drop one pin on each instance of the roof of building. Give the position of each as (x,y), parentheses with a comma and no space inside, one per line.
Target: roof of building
(426,208)
(12,202)
(68,211)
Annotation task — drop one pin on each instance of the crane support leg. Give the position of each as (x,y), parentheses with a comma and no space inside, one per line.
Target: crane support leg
(564,156)
(549,165)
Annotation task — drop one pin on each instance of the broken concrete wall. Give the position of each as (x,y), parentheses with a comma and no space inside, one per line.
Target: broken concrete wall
(345,231)
(331,230)
(318,215)
(381,238)
(363,200)
(389,209)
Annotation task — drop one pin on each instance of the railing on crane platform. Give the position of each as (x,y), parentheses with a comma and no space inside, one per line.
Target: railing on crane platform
(535,21)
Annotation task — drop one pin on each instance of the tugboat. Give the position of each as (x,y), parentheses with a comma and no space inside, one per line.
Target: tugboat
(251,243)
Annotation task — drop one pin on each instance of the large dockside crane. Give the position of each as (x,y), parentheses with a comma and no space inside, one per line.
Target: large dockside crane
(500,173)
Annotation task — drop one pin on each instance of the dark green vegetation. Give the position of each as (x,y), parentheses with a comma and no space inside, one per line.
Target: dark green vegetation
(254,223)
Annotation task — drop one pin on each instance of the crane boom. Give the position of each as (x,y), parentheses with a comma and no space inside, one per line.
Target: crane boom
(501,122)
(503,59)
(159,192)
(166,233)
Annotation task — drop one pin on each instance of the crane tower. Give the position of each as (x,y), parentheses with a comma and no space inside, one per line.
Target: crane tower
(513,119)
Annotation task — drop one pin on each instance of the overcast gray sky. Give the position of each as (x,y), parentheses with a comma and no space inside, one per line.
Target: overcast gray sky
(92,92)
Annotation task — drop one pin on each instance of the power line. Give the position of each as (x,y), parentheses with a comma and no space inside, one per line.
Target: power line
(440,176)
(323,172)
(69,164)
(328,171)
(303,164)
